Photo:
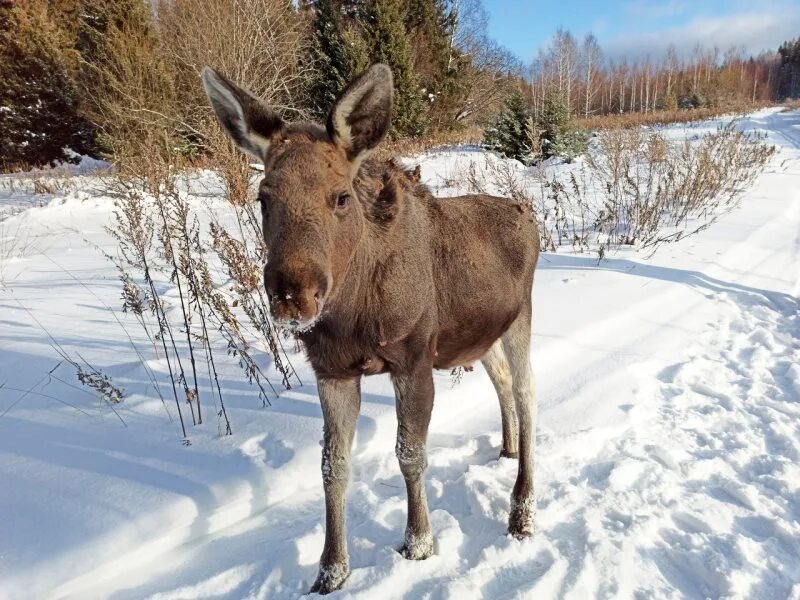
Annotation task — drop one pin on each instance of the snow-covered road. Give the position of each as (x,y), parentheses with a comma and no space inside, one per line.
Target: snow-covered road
(668,448)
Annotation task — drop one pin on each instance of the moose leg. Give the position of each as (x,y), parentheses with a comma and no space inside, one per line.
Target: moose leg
(517,343)
(414,394)
(341,401)
(496,365)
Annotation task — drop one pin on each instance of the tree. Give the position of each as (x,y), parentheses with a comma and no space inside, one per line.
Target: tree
(333,63)
(592,55)
(260,44)
(789,85)
(39,102)
(509,134)
(390,44)
(437,62)
(489,72)
(128,88)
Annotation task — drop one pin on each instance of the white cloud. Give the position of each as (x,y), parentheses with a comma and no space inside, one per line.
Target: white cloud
(650,9)
(751,30)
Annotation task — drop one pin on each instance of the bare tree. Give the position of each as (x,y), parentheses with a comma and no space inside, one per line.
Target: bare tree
(490,70)
(592,55)
(260,43)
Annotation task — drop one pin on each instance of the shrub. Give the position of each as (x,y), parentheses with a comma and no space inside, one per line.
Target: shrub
(636,188)
(516,134)
(39,117)
(559,136)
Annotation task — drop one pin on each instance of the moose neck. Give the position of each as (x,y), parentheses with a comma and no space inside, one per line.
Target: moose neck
(392,216)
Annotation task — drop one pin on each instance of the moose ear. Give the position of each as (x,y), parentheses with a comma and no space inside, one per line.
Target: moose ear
(250,123)
(359,120)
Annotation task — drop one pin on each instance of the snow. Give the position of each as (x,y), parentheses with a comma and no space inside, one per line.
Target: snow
(668,446)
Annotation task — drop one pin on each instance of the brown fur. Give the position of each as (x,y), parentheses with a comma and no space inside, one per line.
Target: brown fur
(405,283)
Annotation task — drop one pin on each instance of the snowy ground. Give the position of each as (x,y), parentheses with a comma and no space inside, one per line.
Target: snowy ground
(668,448)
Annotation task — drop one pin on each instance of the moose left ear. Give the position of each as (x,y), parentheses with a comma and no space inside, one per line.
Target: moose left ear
(361,116)
(247,120)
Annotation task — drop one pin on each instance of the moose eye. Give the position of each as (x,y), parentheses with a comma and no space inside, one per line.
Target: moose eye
(342,200)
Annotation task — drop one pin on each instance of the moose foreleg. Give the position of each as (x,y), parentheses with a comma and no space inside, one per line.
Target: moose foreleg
(341,402)
(414,394)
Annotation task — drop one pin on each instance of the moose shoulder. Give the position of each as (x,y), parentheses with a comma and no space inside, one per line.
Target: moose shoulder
(376,275)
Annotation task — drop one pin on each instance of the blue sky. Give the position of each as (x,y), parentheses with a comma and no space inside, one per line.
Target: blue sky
(636,28)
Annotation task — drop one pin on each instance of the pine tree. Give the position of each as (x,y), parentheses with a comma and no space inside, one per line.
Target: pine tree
(558,136)
(39,119)
(437,62)
(329,54)
(390,44)
(509,134)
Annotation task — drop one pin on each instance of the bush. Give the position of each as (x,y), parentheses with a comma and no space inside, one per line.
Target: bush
(694,100)
(39,118)
(640,188)
(635,188)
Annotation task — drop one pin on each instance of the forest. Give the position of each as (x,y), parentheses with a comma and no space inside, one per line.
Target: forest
(119,78)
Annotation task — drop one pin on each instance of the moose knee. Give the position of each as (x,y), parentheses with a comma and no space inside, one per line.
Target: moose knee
(335,468)
(411,456)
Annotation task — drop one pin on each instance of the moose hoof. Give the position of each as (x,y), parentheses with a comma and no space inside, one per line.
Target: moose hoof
(521,519)
(417,547)
(330,578)
(508,454)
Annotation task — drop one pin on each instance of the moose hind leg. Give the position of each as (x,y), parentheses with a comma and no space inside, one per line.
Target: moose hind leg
(496,365)
(341,401)
(517,343)
(414,394)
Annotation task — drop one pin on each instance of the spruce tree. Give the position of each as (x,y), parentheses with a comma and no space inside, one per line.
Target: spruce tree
(509,135)
(390,44)
(39,119)
(437,62)
(329,55)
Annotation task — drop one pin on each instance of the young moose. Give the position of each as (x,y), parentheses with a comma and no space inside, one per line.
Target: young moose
(378,276)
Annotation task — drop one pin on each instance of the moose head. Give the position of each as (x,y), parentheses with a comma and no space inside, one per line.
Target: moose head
(312,219)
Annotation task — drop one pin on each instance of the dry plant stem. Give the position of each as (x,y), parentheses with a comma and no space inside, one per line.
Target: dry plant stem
(191,395)
(163,325)
(637,188)
(88,375)
(188,241)
(140,317)
(134,232)
(247,276)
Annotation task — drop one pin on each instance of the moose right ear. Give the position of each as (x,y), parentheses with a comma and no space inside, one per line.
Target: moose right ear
(360,119)
(250,123)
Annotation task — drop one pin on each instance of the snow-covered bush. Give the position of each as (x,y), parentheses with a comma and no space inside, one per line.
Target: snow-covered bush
(635,187)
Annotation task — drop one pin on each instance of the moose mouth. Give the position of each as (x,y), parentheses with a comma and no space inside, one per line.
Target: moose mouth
(299,325)
(296,323)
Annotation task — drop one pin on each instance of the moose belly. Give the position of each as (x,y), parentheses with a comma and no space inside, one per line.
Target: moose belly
(461,344)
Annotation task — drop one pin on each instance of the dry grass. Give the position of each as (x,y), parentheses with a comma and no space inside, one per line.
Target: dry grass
(406,147)
(213,272)
(662,117)
(792,104)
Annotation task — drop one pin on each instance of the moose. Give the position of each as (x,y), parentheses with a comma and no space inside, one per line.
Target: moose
(376,275)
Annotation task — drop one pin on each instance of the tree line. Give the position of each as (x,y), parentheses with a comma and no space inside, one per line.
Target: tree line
(572,81)
(591,84)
